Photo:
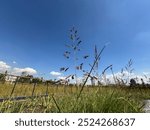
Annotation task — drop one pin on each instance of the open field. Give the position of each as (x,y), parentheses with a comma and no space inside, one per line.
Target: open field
(64,99)
(36,94)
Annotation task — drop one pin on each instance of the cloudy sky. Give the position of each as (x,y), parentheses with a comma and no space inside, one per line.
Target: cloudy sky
(33,34)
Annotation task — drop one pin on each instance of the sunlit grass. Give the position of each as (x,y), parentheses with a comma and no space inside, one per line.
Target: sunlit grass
(93,99)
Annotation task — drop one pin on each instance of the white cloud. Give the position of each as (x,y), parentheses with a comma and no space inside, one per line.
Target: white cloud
(53,73)
(4,66)
(61,77)
(27,70)
(14,62)
(137,77)
(109,79)
(146,73)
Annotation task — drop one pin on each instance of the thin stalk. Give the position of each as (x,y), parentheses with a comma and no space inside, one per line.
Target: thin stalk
(113,75)
(46,93)
(14,87)
(75,67)
(56,104)
(33,89)
(96,59)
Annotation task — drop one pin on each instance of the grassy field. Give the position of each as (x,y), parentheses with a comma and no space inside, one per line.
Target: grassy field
(64,99)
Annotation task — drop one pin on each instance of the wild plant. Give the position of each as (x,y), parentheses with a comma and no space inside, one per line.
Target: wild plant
(95,61)
(72,52)
(124,76)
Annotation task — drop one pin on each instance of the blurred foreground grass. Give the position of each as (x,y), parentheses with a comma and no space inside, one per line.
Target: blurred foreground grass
(61,98)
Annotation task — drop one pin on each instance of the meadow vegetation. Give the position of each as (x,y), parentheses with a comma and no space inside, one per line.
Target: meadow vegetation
(61,98)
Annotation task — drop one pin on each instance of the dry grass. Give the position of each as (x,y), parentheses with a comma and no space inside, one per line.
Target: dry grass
(64,99)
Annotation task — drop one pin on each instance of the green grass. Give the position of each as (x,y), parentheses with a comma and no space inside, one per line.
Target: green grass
(64,99)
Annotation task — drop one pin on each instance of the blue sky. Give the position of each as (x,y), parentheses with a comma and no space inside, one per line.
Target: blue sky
(33,33)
